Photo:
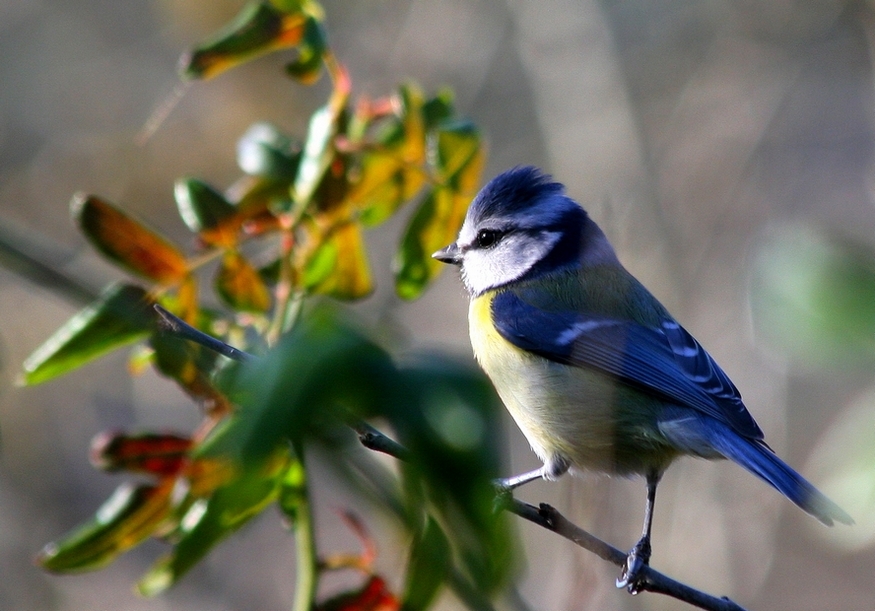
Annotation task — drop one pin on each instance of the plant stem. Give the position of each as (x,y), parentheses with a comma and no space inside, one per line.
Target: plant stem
(306,565)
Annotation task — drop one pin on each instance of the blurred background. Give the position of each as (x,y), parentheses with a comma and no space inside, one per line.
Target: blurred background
(725,146)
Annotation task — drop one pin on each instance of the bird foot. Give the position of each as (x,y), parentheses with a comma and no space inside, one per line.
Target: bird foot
(638,558)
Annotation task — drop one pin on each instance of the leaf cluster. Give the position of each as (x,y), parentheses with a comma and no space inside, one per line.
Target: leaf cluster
(290,229)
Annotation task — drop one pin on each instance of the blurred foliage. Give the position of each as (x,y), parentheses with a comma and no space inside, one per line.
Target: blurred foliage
(302,205)
(813,297)
(849,474)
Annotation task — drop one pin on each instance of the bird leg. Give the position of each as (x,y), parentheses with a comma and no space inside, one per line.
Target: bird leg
(639,556)
(553,468)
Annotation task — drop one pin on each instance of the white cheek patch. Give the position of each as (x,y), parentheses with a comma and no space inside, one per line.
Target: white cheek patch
(509,260)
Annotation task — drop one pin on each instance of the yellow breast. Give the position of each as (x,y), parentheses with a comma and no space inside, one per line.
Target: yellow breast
(559,408)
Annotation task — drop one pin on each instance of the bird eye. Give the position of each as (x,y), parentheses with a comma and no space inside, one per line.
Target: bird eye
(487,237)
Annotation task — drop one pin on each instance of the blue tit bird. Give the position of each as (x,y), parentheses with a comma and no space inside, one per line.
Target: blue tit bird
(594,370)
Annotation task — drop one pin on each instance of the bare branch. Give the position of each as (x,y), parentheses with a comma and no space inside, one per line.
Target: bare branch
(548,517)
(176,326)
(654,581)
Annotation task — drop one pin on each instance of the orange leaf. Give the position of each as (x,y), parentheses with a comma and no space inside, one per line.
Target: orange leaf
(240,285)
(373,596)
(128,242)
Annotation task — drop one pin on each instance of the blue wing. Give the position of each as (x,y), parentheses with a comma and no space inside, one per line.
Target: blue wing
(666,361)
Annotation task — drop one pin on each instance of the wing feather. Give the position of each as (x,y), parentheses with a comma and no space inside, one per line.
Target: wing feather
(666,362)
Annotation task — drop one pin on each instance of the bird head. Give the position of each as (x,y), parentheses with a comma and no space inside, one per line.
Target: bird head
(519,226)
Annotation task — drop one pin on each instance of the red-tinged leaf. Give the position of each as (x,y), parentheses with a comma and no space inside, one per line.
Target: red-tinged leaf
(340,266)
(394,171)
(256,198)
(150,453)
(129,516)
(239,284)
(374,595)
(127,241)
(122,315)
(210,520)
(258,29)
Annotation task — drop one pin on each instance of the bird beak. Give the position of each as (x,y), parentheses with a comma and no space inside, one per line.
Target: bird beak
(451,254)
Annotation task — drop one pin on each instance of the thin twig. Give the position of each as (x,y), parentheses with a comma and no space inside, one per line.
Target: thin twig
(548,517)
(545,515)
(175,325)
(652,581)
(374,440)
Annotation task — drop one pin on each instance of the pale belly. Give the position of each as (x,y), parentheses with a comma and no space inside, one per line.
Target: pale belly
(580,415)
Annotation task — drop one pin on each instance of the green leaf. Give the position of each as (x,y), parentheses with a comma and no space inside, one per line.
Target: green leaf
(265,151)
(129,516)
(393,169)
(312,377)
(429,229)
(190,366)
(318,152)
(308,66)
(293,490)
(310,7)
(445,422)
(380,191)
(259,28)
(239,284)
(340,266)
(210,520)
(200,206)
(128,242)
(438,109)
(428,568)
(121,315)
(459,158)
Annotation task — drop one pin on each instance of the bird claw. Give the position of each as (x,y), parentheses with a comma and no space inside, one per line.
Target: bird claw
(631,577)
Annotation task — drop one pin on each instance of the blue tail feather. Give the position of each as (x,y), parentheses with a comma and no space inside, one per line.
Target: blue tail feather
(700,434)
